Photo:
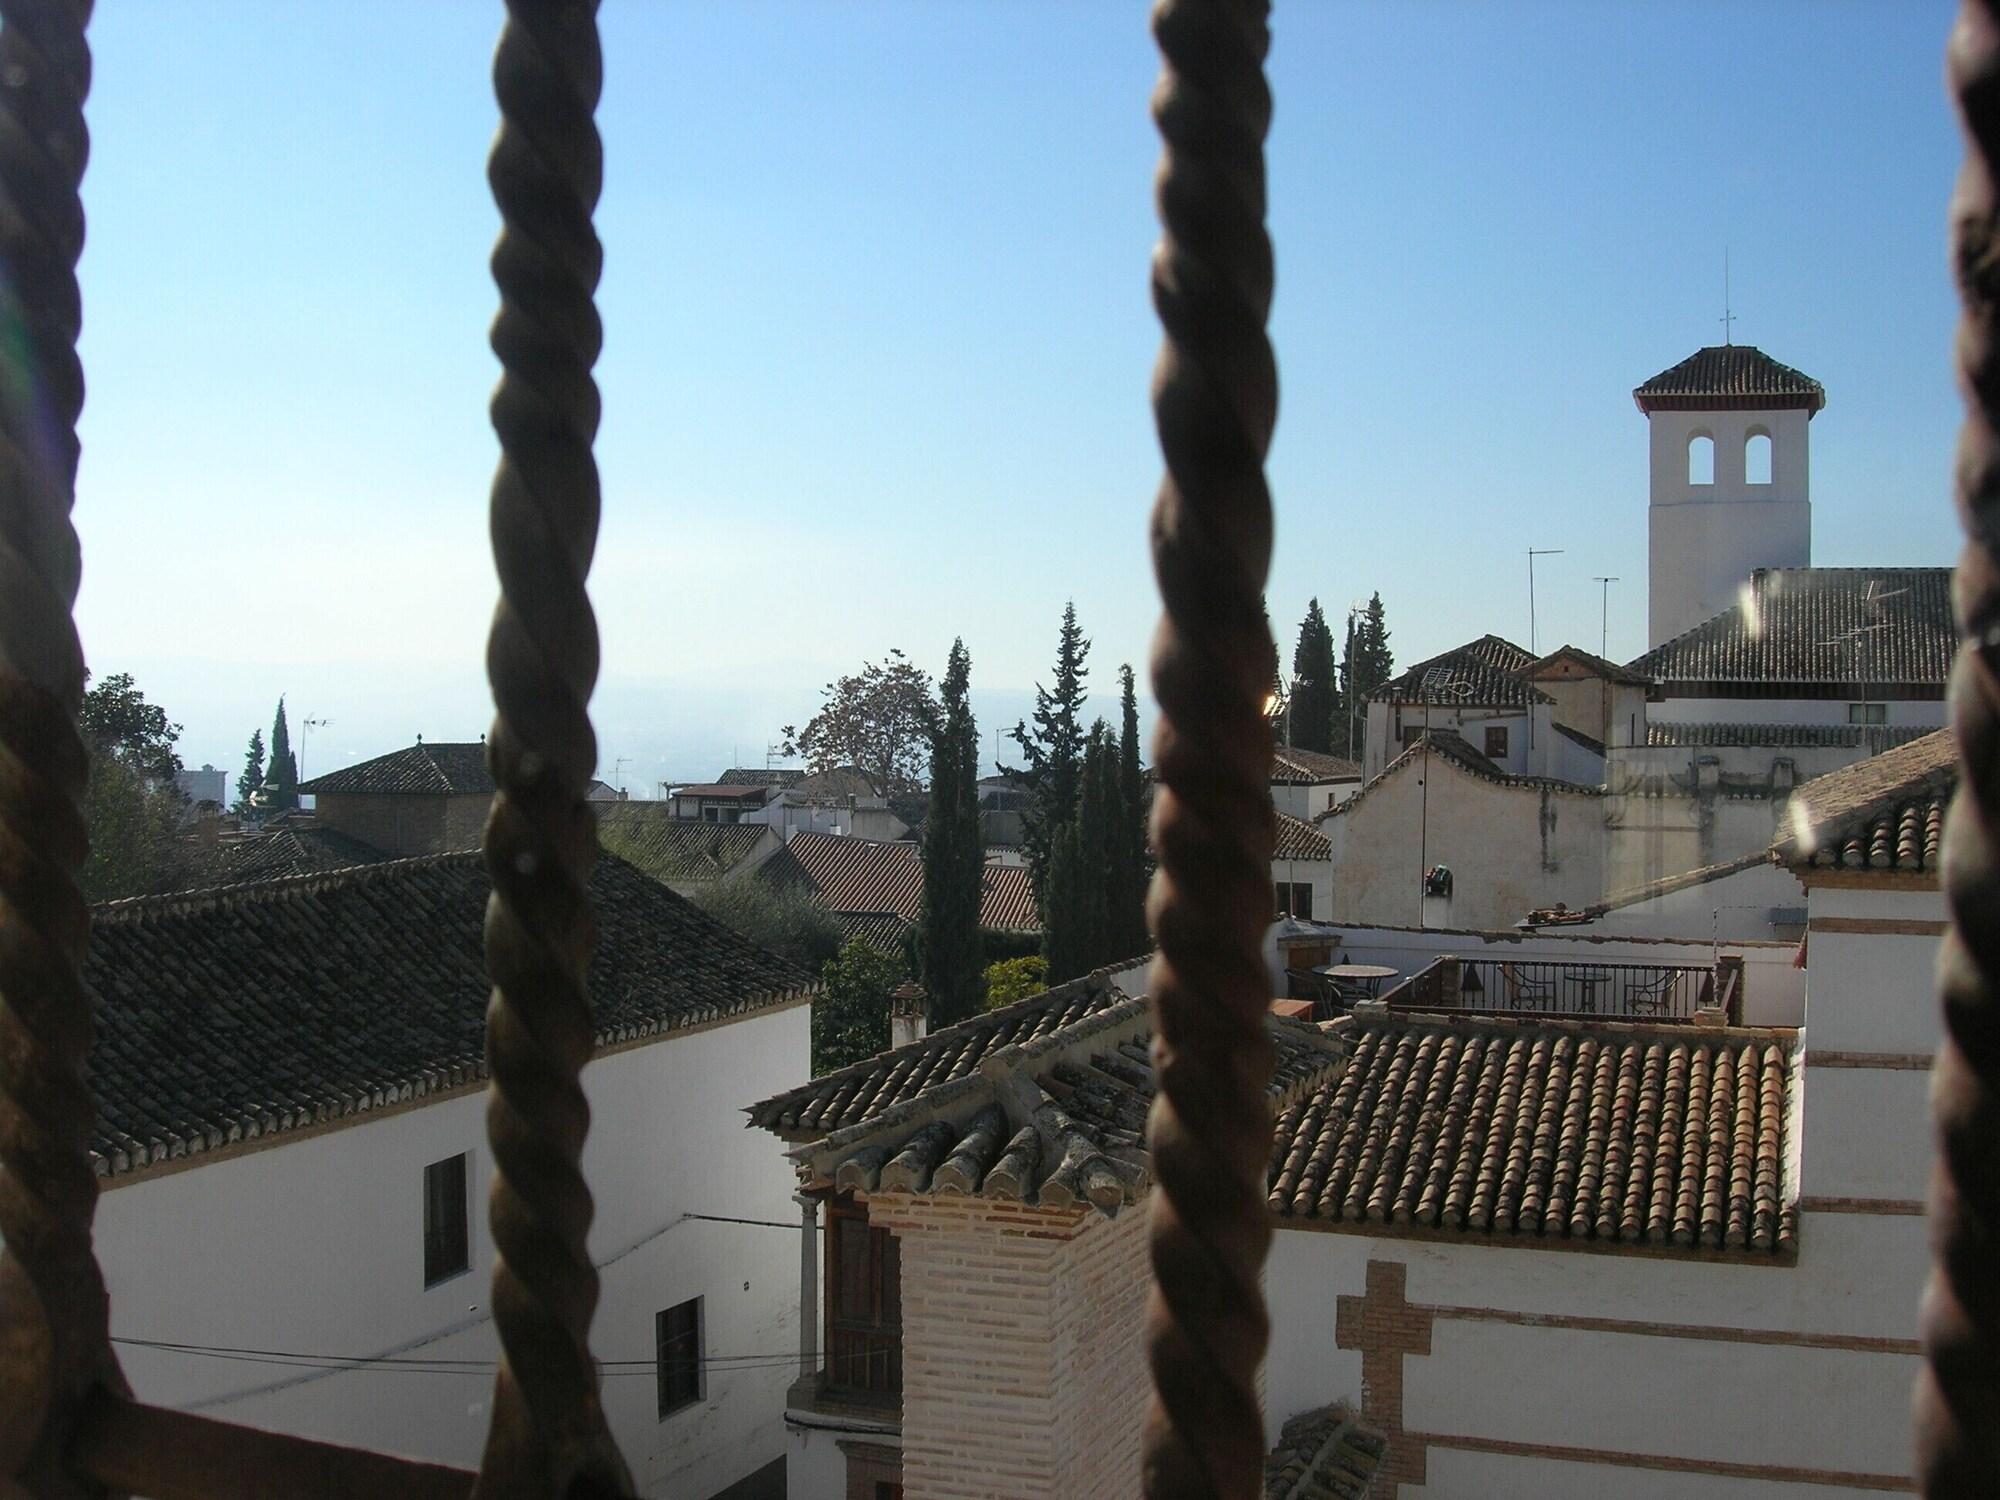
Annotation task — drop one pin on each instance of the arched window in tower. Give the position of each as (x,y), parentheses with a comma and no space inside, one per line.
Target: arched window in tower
(1701,459)
(1757,457)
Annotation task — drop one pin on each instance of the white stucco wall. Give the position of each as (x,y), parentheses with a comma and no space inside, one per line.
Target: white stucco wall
(1307,802)
(1317,873)
(315,1245)
(1929,713)
(1763,901)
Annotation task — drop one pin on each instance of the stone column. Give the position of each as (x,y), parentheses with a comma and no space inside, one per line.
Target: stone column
(808,1284)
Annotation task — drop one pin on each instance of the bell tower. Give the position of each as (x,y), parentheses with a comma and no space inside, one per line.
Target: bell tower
(1729,470)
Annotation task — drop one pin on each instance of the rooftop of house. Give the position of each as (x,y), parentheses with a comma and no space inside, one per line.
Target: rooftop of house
(1291,766)
(235,1014)
(1707,736)
(863,1090)
(1056,1121)
(835,783)
(1570,661)
(1298,839)
(726,791)
(752,776)
(1621,1135)
(1456,750)
(1863,628)
(1483,673)
(296,846)
(883,931)
(452,768)
(1323,1454)
(1885,813)
(849,874)
(1730,377)
(671,848)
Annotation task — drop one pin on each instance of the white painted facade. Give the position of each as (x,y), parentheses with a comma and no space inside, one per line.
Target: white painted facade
(1306,802)
(1530,750)
(1705,539)
(314,1244)
(1574,1374)
(1927,713)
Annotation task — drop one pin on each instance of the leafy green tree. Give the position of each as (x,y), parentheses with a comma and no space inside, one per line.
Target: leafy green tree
(1313,685)
(281,776)
(782,918)
(879,719)
(117,720)
(1053,750)
(253,770)
(954,854)
(1133,937)
(850,1020)
(134,823)
(1014,979)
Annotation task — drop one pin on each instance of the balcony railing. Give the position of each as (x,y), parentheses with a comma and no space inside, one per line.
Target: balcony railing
(1500,986)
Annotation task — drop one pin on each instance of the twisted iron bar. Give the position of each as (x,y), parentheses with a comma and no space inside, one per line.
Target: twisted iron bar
(548,1436)
(1214,401)
(1958,1394)
(54,1319)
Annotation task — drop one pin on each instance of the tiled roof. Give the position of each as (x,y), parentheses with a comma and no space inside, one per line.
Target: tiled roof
(1300,840)
(670,848)
(1624,1135)
(718,791)
(1485,672)
(291,849)
(1294,767)
(1058,1121)
(881,930)
(1578,737)
(836,783)
(748,776)
(864,1089)
(1324,1454)
(1871,627)
(1675,736)
(1455,748)
(864,875)
(1883,813)
(1730,377)
(248,1012)
(435,770)
(1590,660)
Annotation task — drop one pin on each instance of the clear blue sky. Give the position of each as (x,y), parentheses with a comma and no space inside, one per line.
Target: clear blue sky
(877,334)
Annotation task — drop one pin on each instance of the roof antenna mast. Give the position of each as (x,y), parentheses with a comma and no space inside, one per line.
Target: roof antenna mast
(1728,317)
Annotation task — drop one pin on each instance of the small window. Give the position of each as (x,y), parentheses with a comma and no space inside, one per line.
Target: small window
(445,1243)
(677,1356)
(1867,713)
(1295,899)
(1411,734)
(1701,459)
(1496,742)
(1757,458)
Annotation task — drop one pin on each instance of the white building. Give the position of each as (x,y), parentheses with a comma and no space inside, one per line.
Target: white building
(292,1149)
(205,785)
(1478,692)
(1305,783)
(1728,439)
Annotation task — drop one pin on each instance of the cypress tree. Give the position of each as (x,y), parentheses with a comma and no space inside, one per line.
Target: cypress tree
(1060,934)
(1129,913)
(1374,665)
(949,946)
(1313,683)
(253,770)
(281,776)
(1054,754)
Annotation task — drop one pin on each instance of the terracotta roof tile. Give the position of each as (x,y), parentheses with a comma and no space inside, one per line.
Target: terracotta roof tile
(864,875)
(1695,736)
(670,848)
(1294,767)
(1869,627)
(1484,672)
(1297,839)
(1730,377)
(231,1014)
(1884,813)
(451,769)
(1624,1135)
(291,849)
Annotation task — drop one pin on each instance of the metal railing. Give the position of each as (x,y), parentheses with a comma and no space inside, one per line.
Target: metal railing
(1502,986)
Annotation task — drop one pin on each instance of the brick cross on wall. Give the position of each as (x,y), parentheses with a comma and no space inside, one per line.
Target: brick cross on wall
(1385,1326)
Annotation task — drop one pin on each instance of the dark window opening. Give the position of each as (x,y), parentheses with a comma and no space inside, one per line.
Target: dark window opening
(1295,899)
(677,1356)
(446,1248)
(864,1305)
(1496,743)
(1867,713)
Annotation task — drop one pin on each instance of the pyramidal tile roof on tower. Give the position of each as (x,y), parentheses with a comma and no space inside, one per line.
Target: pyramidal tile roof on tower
(451,768)
(1487,671)
(1730,377)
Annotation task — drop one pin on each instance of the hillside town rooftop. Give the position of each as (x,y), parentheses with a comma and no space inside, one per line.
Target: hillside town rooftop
(453,768)
(848,874)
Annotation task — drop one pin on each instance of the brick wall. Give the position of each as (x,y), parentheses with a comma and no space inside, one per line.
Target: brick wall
(1024,1373)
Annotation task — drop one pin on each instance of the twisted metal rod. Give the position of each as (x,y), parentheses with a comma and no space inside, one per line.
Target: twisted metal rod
(1214,401)
(548,1436)
(53,1308)
(1958,1393)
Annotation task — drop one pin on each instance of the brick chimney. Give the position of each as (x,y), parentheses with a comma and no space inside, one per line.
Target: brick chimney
(909,1014)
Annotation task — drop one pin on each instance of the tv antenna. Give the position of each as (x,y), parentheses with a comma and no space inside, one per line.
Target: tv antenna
(306,727)
(1603,582)
(1533,553)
